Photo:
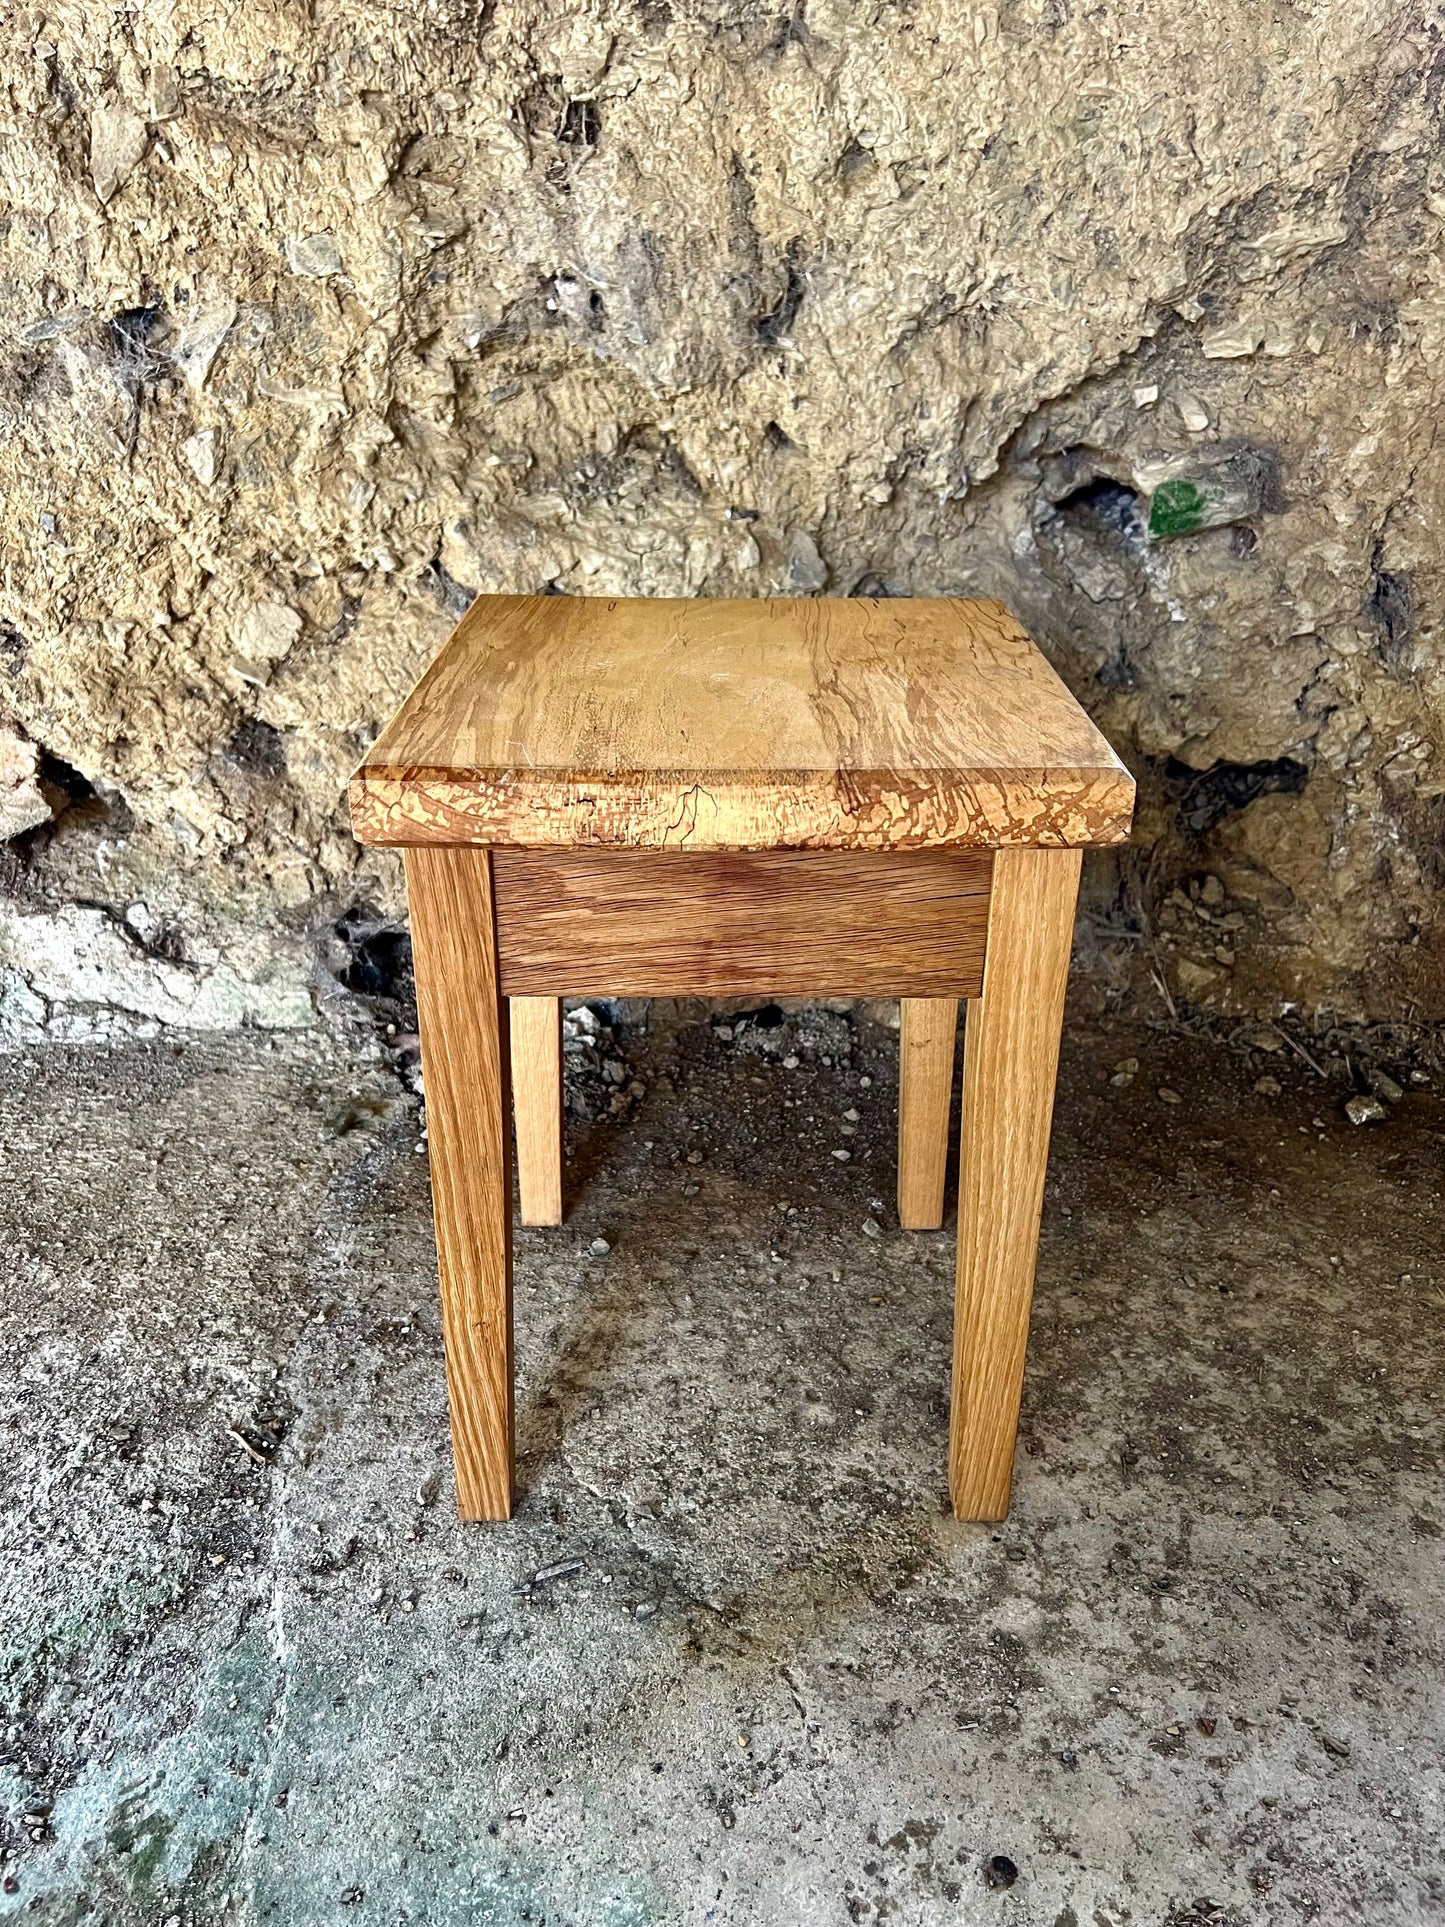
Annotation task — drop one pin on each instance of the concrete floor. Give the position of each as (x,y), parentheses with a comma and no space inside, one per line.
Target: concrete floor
(255,1671)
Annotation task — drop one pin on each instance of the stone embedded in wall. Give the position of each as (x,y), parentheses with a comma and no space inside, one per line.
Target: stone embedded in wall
(807,571)
(264,638)
(77,974)
(314,254)
(22,804)
(117,147)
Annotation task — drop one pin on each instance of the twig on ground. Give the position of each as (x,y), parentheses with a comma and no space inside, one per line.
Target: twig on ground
(1156,976)
(1297,1046)
(246,1445)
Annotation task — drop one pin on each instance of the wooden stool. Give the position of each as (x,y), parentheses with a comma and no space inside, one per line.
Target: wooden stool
(697,798)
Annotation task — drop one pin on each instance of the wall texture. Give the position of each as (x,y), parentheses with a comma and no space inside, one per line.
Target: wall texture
(317,318)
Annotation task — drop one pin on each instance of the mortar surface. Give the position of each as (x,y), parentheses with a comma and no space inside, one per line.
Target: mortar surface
(317,320)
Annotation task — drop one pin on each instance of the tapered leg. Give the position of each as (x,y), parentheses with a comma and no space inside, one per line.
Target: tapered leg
(465,1073)
(537,1106)
(1010,1060)
(925,1085)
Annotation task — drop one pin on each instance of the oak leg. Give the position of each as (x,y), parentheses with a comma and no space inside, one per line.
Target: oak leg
(537,1106)
(465,1073)
(1010,1060)
(926,1036)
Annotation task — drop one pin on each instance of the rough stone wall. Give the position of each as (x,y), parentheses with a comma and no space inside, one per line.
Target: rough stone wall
(317,318)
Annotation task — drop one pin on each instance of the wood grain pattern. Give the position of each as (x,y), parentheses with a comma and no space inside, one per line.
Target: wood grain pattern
(1010,1058)
(464,1068)
(537,1106)
(559,721)
(838,923)
(927,1031)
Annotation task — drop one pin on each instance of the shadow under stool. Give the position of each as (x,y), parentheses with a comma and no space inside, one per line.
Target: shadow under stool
(631,798)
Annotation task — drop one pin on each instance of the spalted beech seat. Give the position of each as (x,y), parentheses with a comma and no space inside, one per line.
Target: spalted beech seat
(600,797)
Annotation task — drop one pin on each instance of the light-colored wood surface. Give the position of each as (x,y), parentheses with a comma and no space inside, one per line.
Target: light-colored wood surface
(1010,1061)
(667,923)
(927,1031)
(537,1106)
(464,1069)
(552,721)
